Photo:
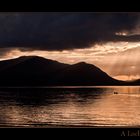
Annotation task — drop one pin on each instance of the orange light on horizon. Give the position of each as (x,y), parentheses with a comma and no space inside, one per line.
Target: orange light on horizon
(113,58)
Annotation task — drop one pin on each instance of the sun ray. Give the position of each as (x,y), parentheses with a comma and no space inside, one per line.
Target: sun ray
(120,60)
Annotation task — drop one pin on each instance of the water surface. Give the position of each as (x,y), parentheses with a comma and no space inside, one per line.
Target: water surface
(70,107)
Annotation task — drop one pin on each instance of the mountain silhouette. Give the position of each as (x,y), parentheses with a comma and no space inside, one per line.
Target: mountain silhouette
(38,71)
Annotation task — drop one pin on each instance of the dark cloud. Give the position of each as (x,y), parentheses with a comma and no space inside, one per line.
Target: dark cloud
(60,31)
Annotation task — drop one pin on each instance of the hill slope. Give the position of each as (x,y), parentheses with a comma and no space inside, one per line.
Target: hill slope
(38,71)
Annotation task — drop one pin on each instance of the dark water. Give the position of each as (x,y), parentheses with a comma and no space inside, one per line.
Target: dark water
(57,107)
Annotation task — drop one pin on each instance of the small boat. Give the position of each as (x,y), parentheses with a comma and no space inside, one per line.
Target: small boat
(115,92)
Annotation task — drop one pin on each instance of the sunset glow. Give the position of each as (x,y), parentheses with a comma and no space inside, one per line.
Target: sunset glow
(119,60)
(111,41)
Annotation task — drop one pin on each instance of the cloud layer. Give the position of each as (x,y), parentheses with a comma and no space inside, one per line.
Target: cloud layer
(63,31)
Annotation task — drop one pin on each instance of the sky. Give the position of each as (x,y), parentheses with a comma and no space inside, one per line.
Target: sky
(110,41)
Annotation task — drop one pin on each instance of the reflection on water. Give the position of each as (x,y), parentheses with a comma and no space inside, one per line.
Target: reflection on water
(92,106)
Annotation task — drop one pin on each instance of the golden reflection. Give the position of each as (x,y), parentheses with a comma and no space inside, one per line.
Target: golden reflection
(97,108)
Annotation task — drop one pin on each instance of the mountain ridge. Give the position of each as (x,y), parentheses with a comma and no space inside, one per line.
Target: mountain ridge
(39,71)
